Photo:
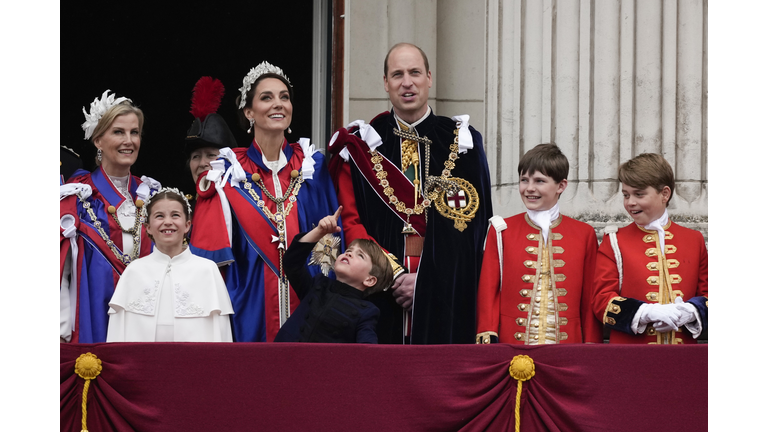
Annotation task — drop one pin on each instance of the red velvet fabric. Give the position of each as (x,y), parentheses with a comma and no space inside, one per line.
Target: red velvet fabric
(349,387)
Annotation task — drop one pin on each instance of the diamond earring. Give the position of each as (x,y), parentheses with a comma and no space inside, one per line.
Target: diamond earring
(250,120)
(98,154)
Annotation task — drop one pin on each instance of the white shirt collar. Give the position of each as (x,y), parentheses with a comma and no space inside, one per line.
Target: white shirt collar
(658,226)
(275,166)
(417,122)
(544,218)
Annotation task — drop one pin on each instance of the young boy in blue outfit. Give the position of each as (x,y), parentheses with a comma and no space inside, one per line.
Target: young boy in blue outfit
(334,310)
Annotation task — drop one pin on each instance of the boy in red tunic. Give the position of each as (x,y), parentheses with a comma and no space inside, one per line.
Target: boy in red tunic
(651,276)
(536,280)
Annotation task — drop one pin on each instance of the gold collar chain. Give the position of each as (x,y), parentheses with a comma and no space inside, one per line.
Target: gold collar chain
(433,185)
(290,195)
(278,218)
(136,234)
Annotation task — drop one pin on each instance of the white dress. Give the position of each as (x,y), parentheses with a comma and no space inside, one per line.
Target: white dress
(164,299)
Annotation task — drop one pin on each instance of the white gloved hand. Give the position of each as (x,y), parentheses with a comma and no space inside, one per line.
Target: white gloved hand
(663,317)
(687,310)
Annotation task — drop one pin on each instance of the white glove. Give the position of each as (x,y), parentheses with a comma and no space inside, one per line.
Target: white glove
(687,310)
(663,317)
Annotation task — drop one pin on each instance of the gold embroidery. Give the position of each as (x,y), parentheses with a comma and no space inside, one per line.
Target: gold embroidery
(677,293)
(485,337)
(530,264)
(561,292)
(532,237)
(670,249)
(563,336)
(675,279)
(557,250)
(523,307)
(527,278)
(668,235)
(532,250)
(525,293)
(519,336)
(611,305)
(649,238)
(521,321)
(653,280)
(651,252)
(673,263)
(562,307)
(610,321)
(557,236)
(558,263)
(563,321)
(559,278)
(652,266)
(652,296)
(460,215)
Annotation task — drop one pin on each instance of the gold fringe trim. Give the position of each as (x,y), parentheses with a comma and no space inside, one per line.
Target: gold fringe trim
(87,367)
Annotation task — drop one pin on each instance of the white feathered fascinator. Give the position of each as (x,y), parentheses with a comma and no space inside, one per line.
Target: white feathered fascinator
(99,107)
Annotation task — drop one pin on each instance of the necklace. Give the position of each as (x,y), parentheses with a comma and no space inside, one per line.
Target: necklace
(279,220)
(432,185)
(124,258)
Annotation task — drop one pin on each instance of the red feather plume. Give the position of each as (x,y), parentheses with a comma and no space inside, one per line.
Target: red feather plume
(206,96)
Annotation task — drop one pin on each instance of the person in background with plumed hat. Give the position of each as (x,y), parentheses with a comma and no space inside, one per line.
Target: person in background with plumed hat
(101,229)
(255,199)
(209,132)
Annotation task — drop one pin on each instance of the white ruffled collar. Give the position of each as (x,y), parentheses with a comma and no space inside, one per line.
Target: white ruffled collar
(544,218)
(658,226)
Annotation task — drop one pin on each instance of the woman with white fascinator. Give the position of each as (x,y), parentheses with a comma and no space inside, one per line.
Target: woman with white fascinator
(101,226)
(254,200)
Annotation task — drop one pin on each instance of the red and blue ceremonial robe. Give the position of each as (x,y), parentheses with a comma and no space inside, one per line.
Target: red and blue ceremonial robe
(240,237)
(95,266)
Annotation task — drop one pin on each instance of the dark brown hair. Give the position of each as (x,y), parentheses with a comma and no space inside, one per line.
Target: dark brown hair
(547,159)
(241,119)
(380,267)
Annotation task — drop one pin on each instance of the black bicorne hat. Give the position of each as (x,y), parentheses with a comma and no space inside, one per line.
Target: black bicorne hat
(208,129)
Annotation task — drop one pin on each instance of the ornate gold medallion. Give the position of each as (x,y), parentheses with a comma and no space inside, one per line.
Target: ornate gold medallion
(325,252)
(461,205)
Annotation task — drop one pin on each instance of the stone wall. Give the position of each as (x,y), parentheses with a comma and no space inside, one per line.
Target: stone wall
(606,80)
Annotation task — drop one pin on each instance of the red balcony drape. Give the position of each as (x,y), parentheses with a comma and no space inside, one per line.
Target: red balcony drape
(337,387)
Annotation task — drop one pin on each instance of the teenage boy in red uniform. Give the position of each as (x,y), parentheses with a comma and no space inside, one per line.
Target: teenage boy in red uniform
(536,280)
(651,276)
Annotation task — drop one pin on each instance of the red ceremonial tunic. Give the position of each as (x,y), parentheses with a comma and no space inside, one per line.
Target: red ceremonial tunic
(643,278)
(509,303)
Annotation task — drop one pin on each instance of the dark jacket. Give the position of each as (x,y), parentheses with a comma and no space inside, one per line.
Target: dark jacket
(330,311)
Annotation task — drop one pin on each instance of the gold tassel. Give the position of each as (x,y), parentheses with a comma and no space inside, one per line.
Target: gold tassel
(522,369)
(88,367)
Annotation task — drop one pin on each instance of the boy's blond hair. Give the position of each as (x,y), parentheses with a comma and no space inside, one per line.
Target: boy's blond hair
(648,169)
(380,267)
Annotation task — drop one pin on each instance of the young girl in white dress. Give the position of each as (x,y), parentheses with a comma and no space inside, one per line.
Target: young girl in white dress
(170,295)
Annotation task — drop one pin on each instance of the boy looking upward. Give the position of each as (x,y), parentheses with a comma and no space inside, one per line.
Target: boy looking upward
(536,280)
(651,277)
(334,310)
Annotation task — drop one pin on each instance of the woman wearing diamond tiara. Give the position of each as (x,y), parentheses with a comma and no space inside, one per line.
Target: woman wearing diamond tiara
(170,295)
(255,199)
(101,230)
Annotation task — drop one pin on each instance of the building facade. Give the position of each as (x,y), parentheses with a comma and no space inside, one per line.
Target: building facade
(605,80)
